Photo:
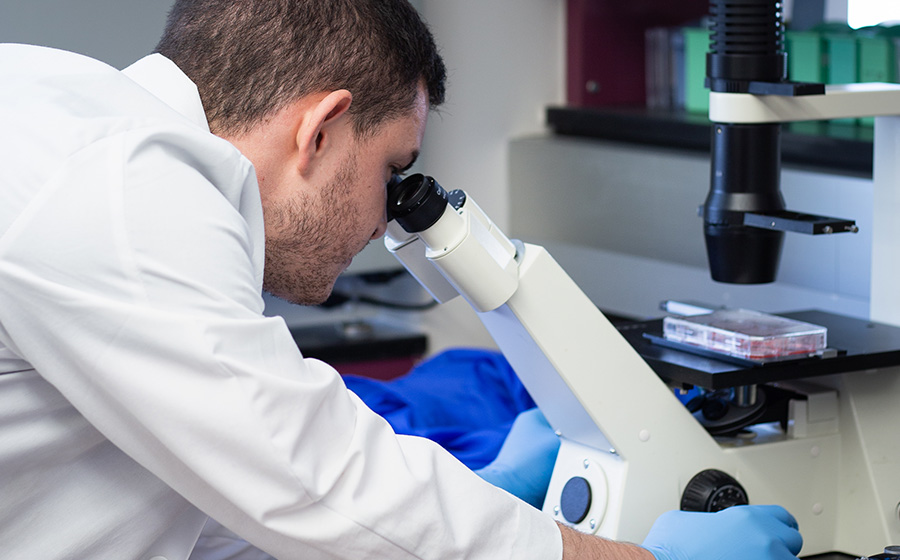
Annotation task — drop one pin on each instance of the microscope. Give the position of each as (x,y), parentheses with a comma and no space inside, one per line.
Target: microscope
(819,435)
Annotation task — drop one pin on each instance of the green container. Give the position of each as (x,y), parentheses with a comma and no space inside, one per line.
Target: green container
(876,60)
(892,34)
(696,45)
(876,57)
(805,56)
(841,57)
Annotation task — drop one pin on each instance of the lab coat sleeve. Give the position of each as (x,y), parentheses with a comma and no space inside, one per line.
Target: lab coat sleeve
(218,543)
(132,285)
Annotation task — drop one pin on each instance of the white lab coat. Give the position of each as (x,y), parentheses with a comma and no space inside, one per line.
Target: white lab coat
(140,381)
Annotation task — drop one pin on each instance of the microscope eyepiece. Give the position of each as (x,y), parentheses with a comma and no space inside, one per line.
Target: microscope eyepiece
(416,202)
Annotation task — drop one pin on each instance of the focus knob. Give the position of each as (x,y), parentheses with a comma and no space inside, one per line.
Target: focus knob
(711,491)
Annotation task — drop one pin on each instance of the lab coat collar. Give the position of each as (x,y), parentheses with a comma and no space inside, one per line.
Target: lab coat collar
(161,77)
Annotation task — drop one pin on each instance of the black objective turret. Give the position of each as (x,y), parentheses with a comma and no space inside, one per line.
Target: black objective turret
(744,215)
(747,45)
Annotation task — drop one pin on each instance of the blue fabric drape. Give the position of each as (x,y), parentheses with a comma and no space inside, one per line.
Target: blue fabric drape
(463,399)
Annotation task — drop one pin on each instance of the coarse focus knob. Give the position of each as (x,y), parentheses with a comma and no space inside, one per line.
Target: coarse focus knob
(711,491)
(575,500)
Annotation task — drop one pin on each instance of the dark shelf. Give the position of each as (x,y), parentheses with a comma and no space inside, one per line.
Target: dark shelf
(340,343)
(831,146)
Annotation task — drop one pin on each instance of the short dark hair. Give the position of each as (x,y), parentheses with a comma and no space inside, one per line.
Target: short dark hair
(251,58)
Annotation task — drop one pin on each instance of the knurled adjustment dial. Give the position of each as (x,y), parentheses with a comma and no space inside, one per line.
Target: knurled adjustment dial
(711,491)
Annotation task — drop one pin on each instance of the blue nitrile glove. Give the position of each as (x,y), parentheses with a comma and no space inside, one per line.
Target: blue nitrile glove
(525,461)
(739,532)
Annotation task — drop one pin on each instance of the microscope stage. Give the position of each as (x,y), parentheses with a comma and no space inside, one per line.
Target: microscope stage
(853,345)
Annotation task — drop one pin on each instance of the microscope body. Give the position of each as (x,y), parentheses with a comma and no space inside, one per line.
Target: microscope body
(630,450)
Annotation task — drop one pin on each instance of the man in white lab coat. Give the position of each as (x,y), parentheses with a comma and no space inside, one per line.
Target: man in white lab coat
(141,388)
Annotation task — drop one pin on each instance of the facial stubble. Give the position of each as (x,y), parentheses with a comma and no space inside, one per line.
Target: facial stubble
(307,240)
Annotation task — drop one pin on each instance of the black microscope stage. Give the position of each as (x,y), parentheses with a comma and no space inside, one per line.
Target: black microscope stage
(853,344)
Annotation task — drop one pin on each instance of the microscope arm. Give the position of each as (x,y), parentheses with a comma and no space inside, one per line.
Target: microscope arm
(839,101)
(586,378)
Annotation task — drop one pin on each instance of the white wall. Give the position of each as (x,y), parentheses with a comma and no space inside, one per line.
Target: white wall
(505,60)
(506,63)
(117,32)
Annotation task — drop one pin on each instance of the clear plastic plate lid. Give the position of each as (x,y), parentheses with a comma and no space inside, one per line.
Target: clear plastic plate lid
(747,334)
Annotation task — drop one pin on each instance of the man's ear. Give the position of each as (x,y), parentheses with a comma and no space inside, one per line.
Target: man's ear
(317,127)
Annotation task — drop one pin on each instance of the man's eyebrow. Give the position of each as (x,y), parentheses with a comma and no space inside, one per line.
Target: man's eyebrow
(412,161)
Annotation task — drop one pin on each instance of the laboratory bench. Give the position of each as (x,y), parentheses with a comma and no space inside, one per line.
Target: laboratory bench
(369,348)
